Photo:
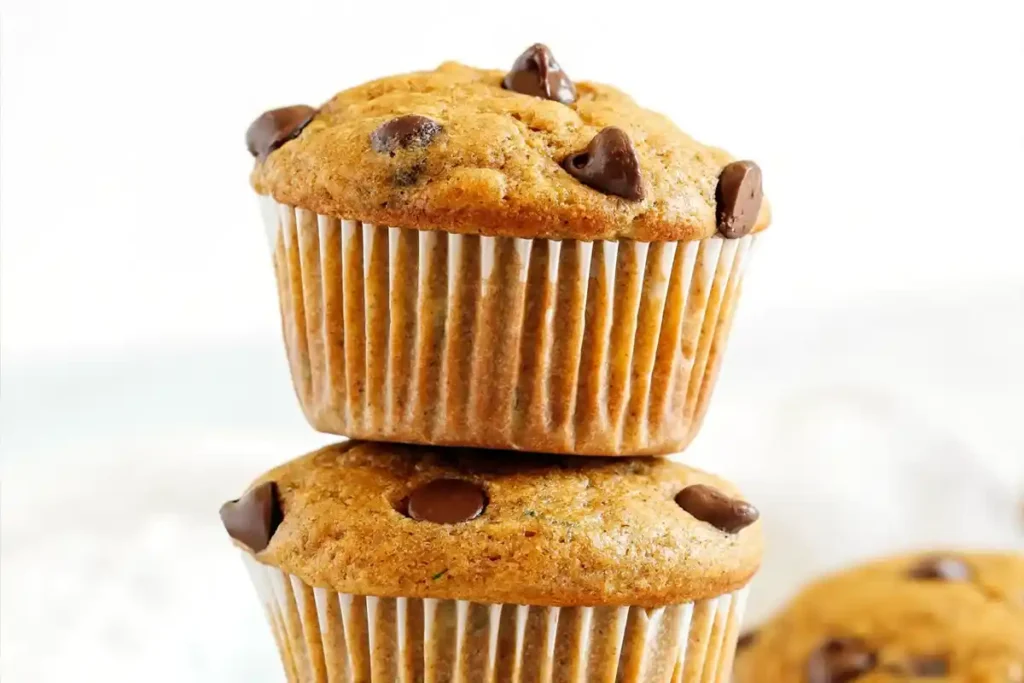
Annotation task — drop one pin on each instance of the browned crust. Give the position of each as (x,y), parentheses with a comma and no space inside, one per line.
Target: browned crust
(495,169)
(556,531)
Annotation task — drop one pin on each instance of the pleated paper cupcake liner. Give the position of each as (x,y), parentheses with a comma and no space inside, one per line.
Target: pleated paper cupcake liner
(598,348)
(328,637)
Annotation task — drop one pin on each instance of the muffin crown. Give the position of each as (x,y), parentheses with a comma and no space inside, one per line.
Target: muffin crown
(403,521)
(946,614)
(526,153)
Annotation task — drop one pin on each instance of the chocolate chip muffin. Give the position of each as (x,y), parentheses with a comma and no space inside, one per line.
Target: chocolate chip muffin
(392,562)
(503,259)
(957,616)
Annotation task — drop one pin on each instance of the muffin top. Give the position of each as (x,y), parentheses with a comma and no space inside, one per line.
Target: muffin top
(527,153)
(946,615)
(392,520)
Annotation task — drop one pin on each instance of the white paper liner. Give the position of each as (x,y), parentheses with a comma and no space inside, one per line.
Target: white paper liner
(602,348)
(328,637)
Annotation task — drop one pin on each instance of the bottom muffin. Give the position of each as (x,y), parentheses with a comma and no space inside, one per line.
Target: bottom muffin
(382,562)
(957,616)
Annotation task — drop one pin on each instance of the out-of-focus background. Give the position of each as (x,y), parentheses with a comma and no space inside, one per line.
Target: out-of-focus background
(872,395)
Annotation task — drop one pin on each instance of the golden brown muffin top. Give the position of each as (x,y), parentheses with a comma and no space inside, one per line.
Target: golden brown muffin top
(948,615)
(469,155)
(408,521)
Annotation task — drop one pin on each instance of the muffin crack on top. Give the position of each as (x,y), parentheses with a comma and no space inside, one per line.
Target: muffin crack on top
(495,161)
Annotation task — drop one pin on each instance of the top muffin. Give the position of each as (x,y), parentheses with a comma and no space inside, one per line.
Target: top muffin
(528,153)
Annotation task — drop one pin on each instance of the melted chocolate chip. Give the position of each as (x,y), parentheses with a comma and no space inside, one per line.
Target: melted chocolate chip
(536,73)
(746,640)
(926,667)
(738,198)
(940,568)
(840,660)
(403,132)
(446,501)
(609,165)
(717,509)
(408,175)
(276,127)
(252,519)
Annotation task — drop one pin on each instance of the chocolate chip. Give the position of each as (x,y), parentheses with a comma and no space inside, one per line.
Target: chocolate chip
(252,519)
(446,501)
(738,198)
(403,132)
(840,660)
(276,127)
(608,164)
(940,568)
(710,505)
(746,640)
(536,73)
(928,666)
(408,175)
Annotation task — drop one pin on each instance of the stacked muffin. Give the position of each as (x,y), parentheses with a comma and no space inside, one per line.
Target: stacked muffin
(516,273)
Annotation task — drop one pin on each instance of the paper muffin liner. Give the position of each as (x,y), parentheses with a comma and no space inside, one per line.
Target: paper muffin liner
(328,637)
(420,336)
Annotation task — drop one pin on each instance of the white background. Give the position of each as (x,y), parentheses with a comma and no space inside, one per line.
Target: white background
(871,398)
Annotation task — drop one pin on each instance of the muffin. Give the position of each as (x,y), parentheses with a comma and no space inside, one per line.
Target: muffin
(958,616)
(503,260)
(389,562)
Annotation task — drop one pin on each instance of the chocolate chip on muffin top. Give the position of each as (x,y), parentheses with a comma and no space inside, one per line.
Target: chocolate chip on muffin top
(404,132)
(252,519)
(710,505)
(738,198)
(446,501)
(608,164)
(537,73)
(384,519)
(524,153)
(941,568)
(839,660)
(276,127)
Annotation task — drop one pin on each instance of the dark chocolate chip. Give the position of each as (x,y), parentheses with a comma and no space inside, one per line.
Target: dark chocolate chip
(446,501)
(940,568)
(840,660)
(536,73)
(738,197)
(710,505)
(276,127)
(252,519)
(926,667)
(608,164)
(408,175)
(746,640)
(403,132)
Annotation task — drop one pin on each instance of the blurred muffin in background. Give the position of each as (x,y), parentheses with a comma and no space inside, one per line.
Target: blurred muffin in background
(949,615)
